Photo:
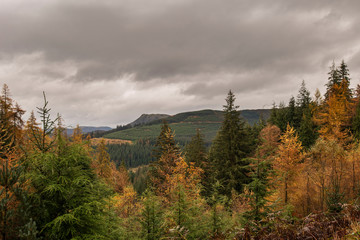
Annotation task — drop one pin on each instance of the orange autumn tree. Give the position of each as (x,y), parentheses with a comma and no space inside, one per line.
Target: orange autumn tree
(115,177)
(186,175)
(335,115)
(125,198)
(12,184)
(288,164)
(353,160)
(182,195)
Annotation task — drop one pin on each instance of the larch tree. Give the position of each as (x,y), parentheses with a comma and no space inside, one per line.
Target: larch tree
(288,163)
(13,188)
(335,116)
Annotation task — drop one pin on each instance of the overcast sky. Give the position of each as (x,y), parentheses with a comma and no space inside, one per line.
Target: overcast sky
(107,62)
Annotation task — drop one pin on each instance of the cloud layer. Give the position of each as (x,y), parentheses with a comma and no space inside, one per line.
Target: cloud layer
(106,62)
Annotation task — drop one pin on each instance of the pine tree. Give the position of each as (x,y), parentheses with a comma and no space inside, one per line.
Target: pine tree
(229,150)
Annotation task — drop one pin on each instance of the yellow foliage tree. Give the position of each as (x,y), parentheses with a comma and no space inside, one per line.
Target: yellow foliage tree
(115,177)
(186,175)
(335,114)
(288,164)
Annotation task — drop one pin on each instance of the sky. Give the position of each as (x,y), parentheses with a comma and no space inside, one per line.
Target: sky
(104,63)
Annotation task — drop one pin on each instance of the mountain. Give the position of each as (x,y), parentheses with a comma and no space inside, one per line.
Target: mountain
(185,125)
(88,129)
(147,118)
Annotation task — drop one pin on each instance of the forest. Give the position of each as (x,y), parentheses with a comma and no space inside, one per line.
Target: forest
(294,176)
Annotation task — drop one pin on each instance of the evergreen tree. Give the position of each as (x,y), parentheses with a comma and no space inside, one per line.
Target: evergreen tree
(166,152)
(279,116)
(165,141)
(229,150)
(195,150)
(152,217)
(261,172)
(307,131)
(303,99)
(343,71)
(220,219)
(306,128)
(333,79)
(68,199)
(291,113)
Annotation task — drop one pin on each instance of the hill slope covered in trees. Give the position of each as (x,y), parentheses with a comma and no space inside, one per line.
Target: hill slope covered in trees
(185,124)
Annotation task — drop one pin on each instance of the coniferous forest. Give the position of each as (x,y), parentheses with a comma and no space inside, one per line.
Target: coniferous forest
(294,176)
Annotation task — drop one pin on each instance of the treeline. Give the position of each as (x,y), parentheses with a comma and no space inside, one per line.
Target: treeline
(133,155)
(136,154)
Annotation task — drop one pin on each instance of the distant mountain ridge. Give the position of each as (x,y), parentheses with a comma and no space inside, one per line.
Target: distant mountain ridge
(88,129)
(147,118)
(184,124)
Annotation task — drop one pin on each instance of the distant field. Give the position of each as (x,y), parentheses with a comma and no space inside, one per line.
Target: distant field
(96,141)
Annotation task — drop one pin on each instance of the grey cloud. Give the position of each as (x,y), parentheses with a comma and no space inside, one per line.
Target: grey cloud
(196,36)
(203,47)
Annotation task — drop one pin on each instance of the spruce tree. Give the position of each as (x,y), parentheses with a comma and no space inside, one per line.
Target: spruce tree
(69,201)
(303,97)
(166,152)
(333,79)
(291,113)
(229,150)
(165,142)
(261,171)
(195,150)
(152,217)
(307,131)
(306,128)
(279,116)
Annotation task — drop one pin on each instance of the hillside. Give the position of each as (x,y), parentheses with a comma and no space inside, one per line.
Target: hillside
(147,118)
(185,125)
